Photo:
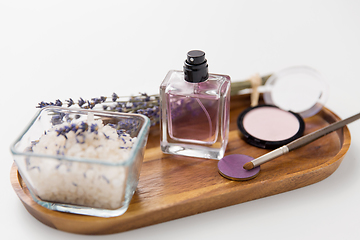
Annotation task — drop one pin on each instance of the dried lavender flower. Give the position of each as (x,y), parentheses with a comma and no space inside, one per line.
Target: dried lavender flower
(94,128)
(81,102)
(114,97)
(83,126)
(58,103)
(70,102)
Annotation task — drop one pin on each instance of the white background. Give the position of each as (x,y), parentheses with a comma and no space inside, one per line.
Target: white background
(62,49)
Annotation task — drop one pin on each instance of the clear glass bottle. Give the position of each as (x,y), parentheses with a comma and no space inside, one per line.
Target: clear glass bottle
(195,107)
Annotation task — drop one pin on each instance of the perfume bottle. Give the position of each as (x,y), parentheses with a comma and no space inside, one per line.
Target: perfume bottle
(195,107)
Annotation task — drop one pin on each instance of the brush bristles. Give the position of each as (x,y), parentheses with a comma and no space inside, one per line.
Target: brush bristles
(248,166)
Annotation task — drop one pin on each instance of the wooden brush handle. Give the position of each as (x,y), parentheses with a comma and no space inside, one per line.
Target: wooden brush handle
(321,132)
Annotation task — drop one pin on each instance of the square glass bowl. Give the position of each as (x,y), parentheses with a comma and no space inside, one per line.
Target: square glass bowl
(58,171)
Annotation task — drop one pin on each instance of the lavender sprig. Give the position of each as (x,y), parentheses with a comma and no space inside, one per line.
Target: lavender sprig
(143,103)
(82,127)
(121,127)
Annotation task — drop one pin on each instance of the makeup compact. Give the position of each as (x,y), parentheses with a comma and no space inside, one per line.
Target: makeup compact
(289,95)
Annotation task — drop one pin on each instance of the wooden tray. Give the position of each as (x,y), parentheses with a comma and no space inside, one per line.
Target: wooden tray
(172,187)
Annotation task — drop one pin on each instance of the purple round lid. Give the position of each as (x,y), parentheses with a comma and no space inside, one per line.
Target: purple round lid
(231,167)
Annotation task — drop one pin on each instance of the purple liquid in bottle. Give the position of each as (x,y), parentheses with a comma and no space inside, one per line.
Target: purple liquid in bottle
(193,119)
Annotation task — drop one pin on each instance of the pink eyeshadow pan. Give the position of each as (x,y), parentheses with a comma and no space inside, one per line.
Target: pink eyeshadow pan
(271,124)
(267,126)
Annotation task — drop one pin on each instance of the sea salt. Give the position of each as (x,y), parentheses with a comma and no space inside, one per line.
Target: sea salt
(80,182)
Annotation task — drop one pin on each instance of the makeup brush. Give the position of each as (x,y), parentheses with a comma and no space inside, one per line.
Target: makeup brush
(299,142)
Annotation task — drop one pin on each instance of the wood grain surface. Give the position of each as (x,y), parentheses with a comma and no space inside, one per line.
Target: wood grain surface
(172,187)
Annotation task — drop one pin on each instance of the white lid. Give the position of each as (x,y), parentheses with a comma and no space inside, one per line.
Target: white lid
(298,89)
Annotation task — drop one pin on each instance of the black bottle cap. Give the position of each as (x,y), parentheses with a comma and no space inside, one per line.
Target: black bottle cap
(196,67)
